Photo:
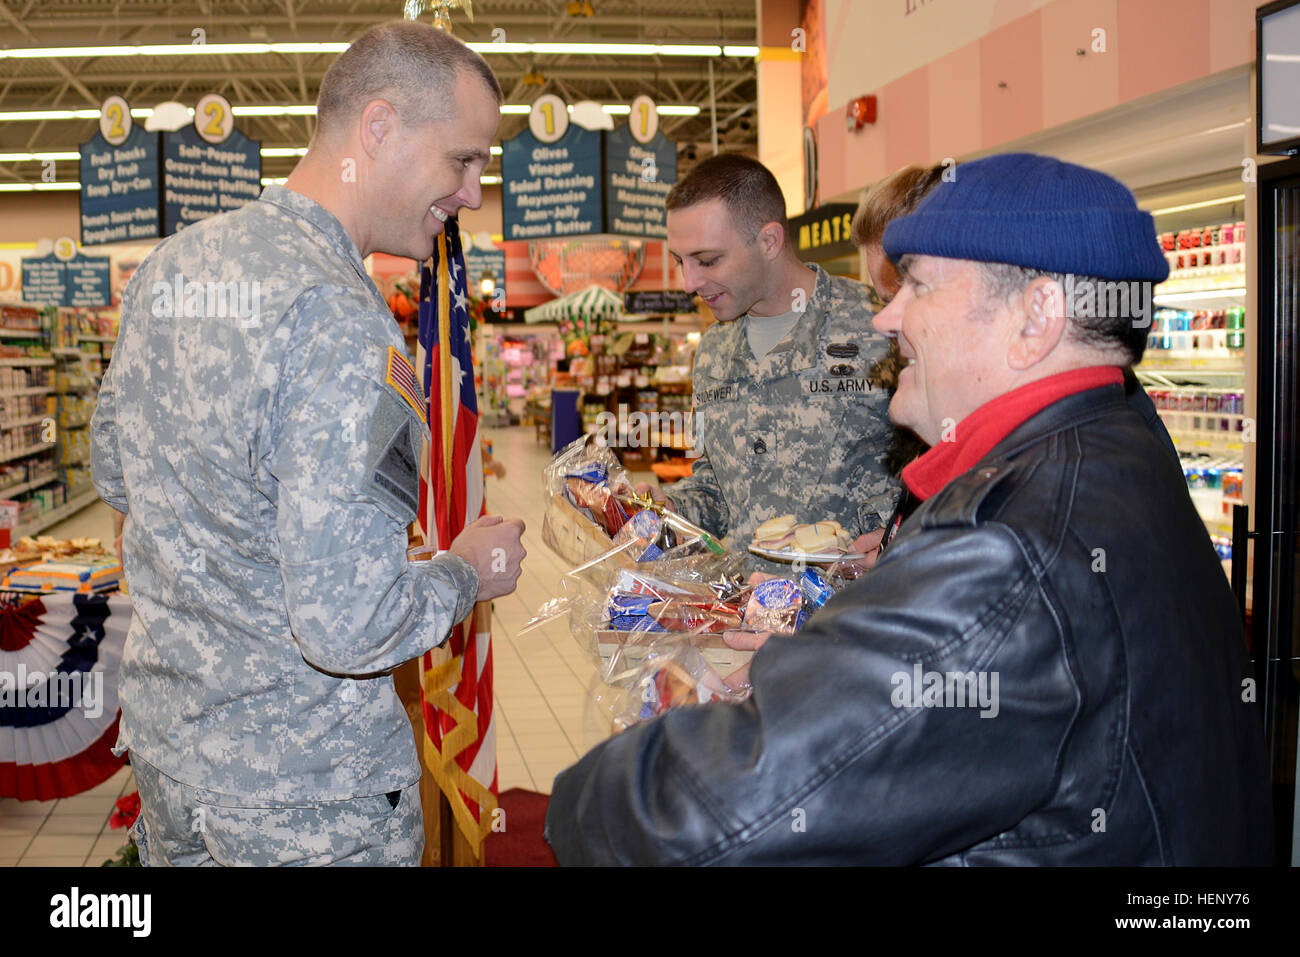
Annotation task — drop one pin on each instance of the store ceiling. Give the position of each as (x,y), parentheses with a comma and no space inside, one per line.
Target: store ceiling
(277,79)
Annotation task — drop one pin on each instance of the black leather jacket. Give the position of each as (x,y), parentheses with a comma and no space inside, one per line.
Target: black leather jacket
(1071,564)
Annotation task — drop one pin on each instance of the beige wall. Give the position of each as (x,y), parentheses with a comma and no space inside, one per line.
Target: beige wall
(27,217)
(780,104)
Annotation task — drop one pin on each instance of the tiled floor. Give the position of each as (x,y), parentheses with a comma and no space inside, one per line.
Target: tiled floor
(542,680)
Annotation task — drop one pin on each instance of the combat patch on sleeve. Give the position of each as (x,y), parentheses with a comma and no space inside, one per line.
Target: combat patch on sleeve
(401,376)
(392,461)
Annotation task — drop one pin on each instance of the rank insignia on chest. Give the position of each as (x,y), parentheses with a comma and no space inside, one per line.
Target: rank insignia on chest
(401,376)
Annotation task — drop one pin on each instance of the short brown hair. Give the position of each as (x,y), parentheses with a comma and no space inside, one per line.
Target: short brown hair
(894,196)
(746,187)
(412,65)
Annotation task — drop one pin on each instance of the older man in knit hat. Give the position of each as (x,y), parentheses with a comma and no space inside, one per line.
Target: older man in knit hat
(1047,665)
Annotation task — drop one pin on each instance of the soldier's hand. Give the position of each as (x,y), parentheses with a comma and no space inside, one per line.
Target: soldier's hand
(492,545)
(656,494)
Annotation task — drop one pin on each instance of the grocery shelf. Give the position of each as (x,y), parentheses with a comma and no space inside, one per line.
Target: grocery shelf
(30,450)
(21,334)
(21,361)
(54,516)
(35,390)
(1227,366)
(33,420)
(97,338)
(24,486)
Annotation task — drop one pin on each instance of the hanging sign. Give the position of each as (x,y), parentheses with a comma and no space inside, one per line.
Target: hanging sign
(561,179)
(119,179)
(64,278)
(209,167)
(551,176)
(824,232)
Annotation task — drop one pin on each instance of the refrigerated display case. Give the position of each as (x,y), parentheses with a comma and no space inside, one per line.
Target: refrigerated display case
(1275,588)
(1195,363)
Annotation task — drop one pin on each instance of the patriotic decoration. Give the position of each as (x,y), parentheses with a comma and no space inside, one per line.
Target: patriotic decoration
(456,695)
(59,661)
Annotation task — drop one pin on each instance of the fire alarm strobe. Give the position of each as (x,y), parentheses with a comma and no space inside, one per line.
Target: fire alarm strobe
(860,112)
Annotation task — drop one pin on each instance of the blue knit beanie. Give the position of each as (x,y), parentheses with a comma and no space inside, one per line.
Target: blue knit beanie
(1036,212)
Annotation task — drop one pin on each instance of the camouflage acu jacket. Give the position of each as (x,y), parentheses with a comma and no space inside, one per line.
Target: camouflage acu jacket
(261,432)
(804,430)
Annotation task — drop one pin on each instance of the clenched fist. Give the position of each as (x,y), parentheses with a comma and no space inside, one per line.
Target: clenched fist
(492,545)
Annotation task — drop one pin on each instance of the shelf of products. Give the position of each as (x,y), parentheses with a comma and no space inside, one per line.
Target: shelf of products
(642,380)
(47,389)
(1195,367)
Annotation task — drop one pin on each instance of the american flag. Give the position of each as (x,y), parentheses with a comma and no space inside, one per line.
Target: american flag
(456,695)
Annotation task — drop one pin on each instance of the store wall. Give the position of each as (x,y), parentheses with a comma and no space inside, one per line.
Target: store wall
(954,77)
(27,217)
(780,107)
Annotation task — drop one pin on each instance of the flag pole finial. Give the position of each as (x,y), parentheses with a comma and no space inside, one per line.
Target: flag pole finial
(414,9)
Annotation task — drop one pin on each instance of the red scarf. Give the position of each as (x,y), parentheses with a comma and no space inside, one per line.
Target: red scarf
(992,422)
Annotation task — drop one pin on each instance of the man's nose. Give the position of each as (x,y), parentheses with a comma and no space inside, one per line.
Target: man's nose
(888,320)
(471,195)
(690,280)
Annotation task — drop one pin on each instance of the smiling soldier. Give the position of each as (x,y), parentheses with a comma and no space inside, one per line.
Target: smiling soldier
(785,416)
(268,469)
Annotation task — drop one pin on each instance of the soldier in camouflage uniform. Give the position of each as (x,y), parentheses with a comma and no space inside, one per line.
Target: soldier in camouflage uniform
(260,427)
(804,428)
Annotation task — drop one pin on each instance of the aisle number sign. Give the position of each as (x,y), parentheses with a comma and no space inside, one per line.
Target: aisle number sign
(64,278)
(120,179)
(561,179)
(139,184)
(549,118)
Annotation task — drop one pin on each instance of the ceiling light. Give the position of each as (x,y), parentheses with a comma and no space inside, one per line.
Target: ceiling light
(36,157)
(32,187)
(308,49)
(1221,201)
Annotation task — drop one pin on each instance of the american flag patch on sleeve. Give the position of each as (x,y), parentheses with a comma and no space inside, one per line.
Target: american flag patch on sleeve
(401,376)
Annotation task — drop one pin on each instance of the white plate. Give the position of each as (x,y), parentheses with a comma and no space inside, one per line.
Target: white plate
(808,558)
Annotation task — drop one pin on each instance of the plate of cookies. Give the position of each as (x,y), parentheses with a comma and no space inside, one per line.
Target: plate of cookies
(782,539)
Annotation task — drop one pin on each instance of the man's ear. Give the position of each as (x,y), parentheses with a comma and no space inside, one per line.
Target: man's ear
(1042,324)
(378,124)
(771,239)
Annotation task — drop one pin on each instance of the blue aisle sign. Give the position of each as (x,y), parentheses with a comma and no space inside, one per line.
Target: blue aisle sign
(552,189)
(202,179)
(81,281)
(480,261)
(119,188)
(637,178)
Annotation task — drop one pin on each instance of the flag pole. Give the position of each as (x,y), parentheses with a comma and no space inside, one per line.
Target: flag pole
(446,845)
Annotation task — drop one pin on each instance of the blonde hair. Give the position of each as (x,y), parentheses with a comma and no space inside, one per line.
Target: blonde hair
(894,196)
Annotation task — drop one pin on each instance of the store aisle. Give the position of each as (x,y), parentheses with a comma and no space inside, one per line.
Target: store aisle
(541,681)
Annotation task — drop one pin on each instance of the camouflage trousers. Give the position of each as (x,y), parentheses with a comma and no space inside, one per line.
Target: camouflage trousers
(182,826)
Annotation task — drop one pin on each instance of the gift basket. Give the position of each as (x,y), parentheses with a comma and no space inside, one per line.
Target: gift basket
(651,595)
